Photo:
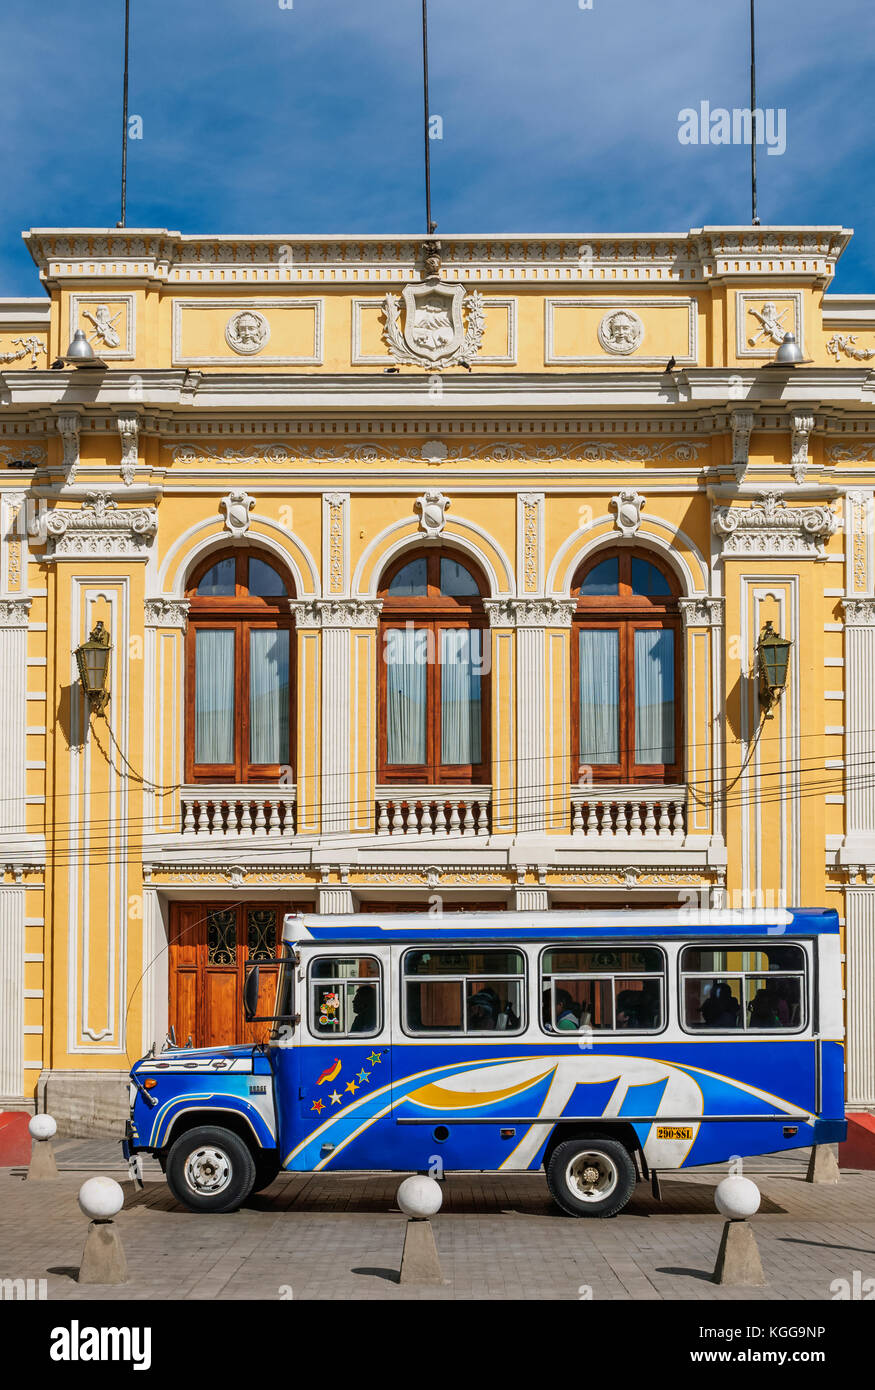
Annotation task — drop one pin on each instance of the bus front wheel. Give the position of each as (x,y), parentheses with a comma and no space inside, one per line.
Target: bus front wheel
(210,1169)
(591,1177)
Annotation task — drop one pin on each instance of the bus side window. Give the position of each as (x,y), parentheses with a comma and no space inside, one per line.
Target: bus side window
(602,989)
(345,996)
(754,987)
(463,991)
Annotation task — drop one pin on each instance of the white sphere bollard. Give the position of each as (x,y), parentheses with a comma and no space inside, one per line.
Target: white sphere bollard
(737,1197)
(103,1259)
(420,1197)
(43,1127)
(101,1198)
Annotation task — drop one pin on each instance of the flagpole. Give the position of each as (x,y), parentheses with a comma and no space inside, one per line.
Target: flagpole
(429,225)
(753,112)
(124,204)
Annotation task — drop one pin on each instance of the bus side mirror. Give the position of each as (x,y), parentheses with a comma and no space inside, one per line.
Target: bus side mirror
(250,995)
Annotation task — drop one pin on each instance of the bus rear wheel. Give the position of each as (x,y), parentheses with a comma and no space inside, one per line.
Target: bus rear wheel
(591,1177)
(210,1169)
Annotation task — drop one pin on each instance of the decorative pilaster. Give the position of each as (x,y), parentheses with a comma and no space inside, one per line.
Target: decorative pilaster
(800,432)
(859,739)
(13,702)
(338,618)
(68,429)
(335,542)
(11,991)
(530,541)
(129,430)
(860,976)
(742,427)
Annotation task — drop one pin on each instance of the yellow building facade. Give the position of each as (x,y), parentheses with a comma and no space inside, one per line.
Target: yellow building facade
(434,577)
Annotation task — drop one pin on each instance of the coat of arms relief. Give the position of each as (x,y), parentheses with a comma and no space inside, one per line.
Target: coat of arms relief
(441,324)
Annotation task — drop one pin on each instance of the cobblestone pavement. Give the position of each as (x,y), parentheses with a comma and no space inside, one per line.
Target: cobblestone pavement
(499,1237)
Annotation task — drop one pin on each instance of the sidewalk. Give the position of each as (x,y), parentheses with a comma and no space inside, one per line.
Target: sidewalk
(499,1237)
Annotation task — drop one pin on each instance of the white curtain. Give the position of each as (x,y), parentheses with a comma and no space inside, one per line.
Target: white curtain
(599,696)
(461,668)
(406,655)
(214,696)
(268,696)
(654,695)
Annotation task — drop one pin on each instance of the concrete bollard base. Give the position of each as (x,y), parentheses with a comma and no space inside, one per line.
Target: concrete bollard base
(103,1259)
(738,1259)
(823,1165)
(419,1262)
(42,1161)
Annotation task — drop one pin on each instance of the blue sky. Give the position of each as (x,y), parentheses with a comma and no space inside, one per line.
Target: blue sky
(258,118)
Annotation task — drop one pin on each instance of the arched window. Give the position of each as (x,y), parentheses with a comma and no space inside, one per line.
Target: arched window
(433,694)
(626,670)
(239,705)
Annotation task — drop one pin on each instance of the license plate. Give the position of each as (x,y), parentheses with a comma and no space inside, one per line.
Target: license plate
(674,1131)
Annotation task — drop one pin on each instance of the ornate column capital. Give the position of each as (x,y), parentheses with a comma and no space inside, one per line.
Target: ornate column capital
(702,612)
(167,612)
(14,612)
(336,613)
(530,612)
(859,612)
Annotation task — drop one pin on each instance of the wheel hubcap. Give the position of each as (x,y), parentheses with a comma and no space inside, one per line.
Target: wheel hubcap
(591,1176)
(208,1171)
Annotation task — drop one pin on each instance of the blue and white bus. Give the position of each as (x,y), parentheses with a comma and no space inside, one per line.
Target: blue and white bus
(601,1047)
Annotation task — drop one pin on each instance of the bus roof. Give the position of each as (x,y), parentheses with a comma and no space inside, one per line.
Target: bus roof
(559,925)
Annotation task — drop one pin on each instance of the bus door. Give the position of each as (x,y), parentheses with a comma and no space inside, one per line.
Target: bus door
(344,1056)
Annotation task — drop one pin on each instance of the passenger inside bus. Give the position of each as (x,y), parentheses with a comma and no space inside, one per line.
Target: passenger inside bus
(364,1008)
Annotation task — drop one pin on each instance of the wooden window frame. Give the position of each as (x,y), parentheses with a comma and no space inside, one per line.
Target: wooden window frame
(241,614)
(432,612)
(627,612)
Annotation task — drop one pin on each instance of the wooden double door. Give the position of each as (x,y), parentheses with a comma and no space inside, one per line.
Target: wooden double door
(210,947)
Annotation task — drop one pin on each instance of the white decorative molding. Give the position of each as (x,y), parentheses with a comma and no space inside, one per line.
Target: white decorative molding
(68,429)
(771,528)
(860,612)
(847,343)
(167,612)
(760,325)
(238,307)
(702,612)
(12,941)
(860,971)
(800,431)
(432,508)
(102,327)
(626,307)
(851,453)
(621,332)
(627,506)
(34,455)
(434,332)
(247,332)
(530,612)
(349,612)
(742,427)
(360,358)
(335,541)
(99,529)
(14,612)
(530,541)
(237,505)
(552,448)
(28,347)
(129,430)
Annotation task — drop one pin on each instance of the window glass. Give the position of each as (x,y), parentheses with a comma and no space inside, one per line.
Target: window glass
(753,988)
(461,669)
(456,580)
(599,696)
(345,996)
(406,655)
(648,580)
(602,989)
(214,696)
(264,582)
(464,991)
(268,696)
(603,579)
(220,581)
(654,695)
(411,581)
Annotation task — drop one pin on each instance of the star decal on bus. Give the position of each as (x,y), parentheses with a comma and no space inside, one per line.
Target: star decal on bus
(364,1075)
(351,1087)
(318,1106)
(334,1097)
(373,1058)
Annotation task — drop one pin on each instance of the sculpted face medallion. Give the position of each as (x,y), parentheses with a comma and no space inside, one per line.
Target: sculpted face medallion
(621,332)
(247,332)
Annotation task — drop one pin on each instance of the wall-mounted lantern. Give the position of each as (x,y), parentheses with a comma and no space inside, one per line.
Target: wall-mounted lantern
(92,658)
(773,658)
